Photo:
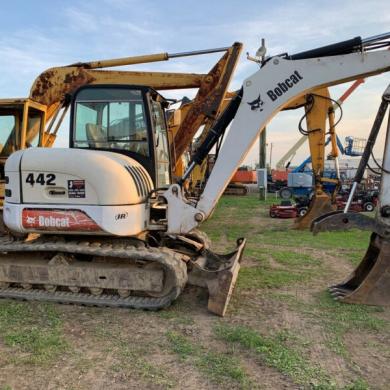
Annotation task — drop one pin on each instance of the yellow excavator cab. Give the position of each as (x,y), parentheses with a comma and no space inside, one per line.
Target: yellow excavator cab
(22,123)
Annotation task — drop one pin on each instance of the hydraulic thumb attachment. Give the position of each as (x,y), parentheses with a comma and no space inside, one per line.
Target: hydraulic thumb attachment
(214,134)
(369,283)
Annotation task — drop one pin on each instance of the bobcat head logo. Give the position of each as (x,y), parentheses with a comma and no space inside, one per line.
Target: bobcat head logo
(30,220)
(256,104)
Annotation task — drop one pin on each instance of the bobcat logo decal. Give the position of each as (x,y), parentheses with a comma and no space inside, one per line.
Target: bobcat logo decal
(256,104)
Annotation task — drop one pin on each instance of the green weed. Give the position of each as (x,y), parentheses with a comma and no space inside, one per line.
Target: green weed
(34,329)
(266,277)
(275,352)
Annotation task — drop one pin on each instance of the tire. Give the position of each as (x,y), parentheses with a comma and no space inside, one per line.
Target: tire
(286,193)
(302,211)
(369,206)
(272,214)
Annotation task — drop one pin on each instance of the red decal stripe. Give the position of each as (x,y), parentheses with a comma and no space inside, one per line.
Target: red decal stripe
(58,220)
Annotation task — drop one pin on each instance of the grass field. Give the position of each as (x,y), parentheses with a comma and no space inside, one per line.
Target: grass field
(282,329)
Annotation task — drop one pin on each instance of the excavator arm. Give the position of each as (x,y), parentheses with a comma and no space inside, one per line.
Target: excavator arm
(45,109)
(319,111)
(280,81)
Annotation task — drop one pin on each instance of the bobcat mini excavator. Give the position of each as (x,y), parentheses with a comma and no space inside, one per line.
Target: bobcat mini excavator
(112,228)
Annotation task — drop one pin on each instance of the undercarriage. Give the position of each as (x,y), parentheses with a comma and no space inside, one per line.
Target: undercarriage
(114,272)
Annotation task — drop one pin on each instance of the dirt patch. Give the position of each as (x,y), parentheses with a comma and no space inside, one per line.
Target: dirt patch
(370,355)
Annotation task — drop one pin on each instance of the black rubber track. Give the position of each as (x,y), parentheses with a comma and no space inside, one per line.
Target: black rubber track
(174,268)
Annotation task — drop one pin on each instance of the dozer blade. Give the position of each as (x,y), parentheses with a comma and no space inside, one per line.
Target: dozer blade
(219,274)
(369,283)
(319,205)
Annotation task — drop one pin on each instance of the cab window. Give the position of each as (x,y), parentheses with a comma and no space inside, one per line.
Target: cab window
(111,119)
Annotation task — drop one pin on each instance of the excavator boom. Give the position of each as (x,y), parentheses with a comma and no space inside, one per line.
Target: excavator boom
(269,90)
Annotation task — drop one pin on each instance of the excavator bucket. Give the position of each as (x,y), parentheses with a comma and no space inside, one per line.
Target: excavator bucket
(218,273)
(319,205)
(369,283)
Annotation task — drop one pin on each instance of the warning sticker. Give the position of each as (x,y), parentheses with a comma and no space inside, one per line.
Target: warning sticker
(76,188)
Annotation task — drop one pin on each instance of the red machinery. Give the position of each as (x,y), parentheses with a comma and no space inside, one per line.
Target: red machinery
(363,201)
(284,210)
(244,176)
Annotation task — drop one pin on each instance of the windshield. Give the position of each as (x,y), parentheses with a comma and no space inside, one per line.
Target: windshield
(108,118)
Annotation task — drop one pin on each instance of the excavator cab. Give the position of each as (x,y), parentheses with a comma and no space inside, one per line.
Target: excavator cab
(22,123)
(124,119)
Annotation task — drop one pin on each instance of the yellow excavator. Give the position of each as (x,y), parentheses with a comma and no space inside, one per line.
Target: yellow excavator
(320,121)
(36,120)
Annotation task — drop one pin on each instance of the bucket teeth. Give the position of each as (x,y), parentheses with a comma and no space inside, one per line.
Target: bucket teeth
(337,293)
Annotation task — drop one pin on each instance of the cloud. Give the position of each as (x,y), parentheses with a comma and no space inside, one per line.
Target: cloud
(82,31)
(90,21)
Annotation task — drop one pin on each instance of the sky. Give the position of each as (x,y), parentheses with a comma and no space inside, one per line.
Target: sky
(34,38)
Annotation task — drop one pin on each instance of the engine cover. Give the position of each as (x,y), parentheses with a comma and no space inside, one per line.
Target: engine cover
(75,190)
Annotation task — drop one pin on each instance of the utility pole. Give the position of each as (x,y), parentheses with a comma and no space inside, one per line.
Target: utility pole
(263,135)
(263,159)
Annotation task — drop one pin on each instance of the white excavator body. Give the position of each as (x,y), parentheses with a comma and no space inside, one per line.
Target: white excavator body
(79,191)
